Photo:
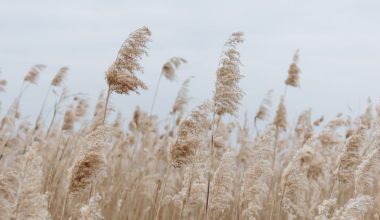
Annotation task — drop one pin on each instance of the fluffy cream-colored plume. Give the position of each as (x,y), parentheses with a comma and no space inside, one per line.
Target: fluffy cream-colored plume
(92,211)
(222,185)
(182,97)
(311,162)
(199,181)
(367,173)
(326,209)
(170,67)
(194,186)
(295,186)
(280,118)
(336,122)
(349,159)
(33,74)
(319,121)
(304,129)
(59,77)
(355,208)
(3,83)
(367,118)
(264,109)
(97,140)
(68,120)
(21,188)
(124,83)
(121,74)
(118,120)
(85,170)
(255,180)
(329,135)
(81,108)
(191,131)
(227,92)
(100,112)
(222,135)
(293,72)
(91,163)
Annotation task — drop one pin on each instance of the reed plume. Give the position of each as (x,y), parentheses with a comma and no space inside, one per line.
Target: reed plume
(59,77)
(85,170)
(319,121)
(169,72)
(355,208)
(34,73)
(367,118)
(3,83)
(92,211)
(81,108)
(227,94)
(68,120)
(191,131)
(56,82)
(222,197)
(182,97)
(121,74)
(293,72)
(257,175)
(294,186)
(367,173)
(194,185)
(304,128)
(264,109)
(170,67)
(91,163)
(326,209)
(21,186)
(349,159)
(280,118)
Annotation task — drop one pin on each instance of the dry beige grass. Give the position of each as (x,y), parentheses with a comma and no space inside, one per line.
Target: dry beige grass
(83,166)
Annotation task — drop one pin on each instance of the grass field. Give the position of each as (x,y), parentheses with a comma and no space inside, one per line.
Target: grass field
(78,163)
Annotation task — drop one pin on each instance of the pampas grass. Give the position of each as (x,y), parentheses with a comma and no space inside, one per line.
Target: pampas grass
(227,94)
(192,165)
(169,72)
(121,74)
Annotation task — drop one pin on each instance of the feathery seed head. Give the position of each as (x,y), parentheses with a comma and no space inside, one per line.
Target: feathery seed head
(266,104)
(355,208)
(170,67)
(227,92)
(85,170)
(349,158)
(280,118)
(68,120)
(3,83)
(81,108)
(58,79)
(293,72)
(33,74)
(182,97)
(190,134)
(121,74)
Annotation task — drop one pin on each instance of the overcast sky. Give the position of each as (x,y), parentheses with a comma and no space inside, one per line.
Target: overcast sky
(339,44)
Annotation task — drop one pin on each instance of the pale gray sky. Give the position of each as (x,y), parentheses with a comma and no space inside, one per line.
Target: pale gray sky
(339,44)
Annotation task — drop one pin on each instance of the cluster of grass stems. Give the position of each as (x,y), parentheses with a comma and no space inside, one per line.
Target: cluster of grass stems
(83,165)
